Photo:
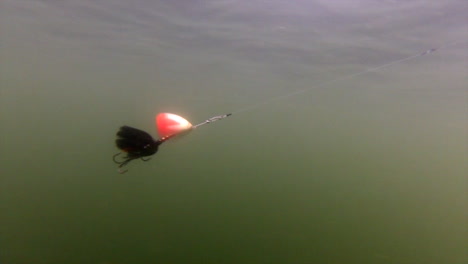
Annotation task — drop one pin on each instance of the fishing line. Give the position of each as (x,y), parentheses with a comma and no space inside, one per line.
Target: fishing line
(349,76)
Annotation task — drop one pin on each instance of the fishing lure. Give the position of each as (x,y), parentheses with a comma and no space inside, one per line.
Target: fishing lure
(137,144)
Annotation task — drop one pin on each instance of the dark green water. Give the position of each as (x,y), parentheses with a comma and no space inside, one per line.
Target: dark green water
(370,169)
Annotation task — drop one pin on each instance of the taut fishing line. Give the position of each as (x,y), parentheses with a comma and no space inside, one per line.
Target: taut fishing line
(349,76)
(138,144)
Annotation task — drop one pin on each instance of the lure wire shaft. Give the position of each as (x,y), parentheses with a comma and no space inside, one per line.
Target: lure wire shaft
(212,119)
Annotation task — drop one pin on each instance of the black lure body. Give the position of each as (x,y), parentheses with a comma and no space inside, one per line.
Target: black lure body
(136,143)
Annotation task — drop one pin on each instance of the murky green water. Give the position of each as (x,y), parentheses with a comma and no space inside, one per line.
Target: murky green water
(369,169)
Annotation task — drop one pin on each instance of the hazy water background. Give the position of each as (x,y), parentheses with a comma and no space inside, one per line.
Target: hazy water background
(365,170)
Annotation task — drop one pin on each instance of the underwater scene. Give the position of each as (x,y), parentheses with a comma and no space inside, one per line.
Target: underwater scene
(314,131)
